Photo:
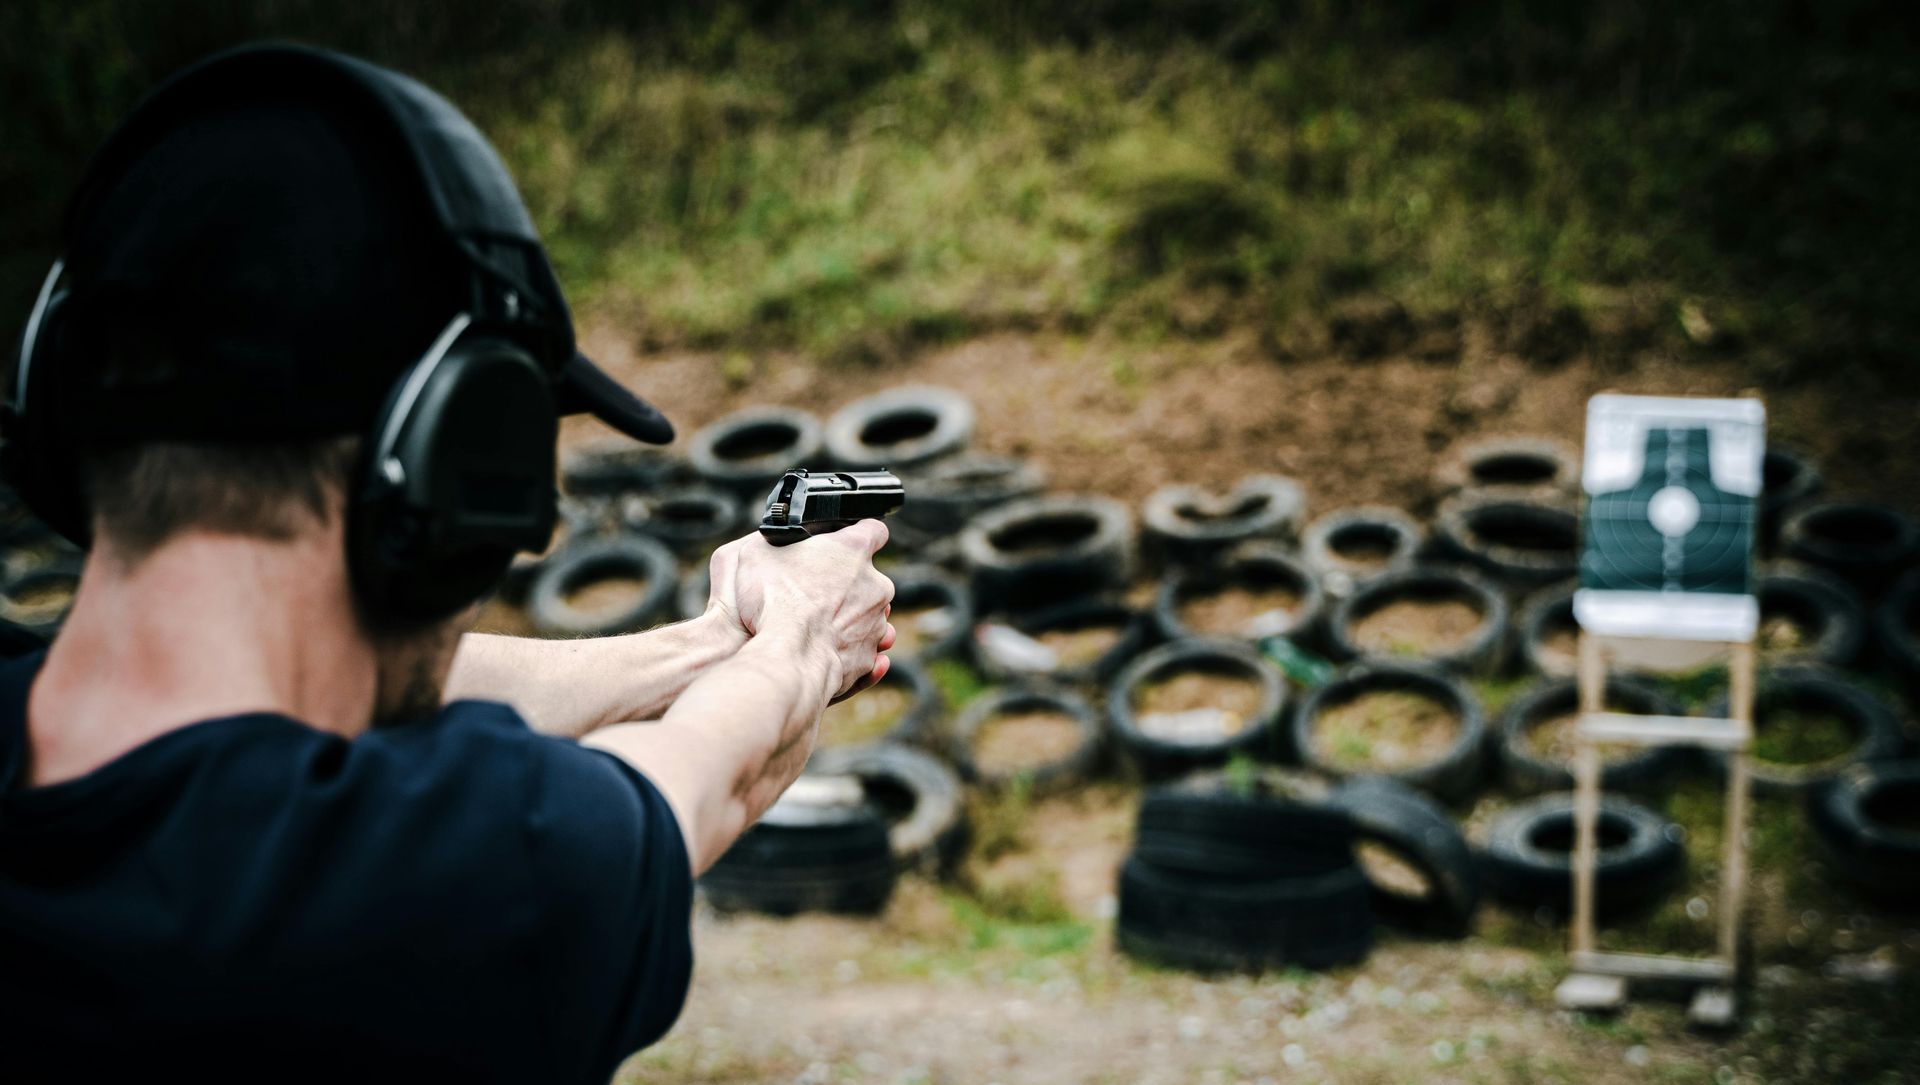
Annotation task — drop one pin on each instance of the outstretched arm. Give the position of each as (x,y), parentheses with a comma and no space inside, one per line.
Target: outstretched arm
(570,688)
(816,613)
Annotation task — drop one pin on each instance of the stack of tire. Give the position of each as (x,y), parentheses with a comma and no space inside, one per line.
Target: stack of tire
(1257,869)
(1041,595)
(821,847)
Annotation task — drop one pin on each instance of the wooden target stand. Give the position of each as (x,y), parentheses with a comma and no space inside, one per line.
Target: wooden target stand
(1600,980)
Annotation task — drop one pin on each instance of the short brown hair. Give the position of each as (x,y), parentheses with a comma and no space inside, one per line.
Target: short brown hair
(143,495)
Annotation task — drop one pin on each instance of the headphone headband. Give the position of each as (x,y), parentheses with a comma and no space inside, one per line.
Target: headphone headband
(30,339)
(409,394)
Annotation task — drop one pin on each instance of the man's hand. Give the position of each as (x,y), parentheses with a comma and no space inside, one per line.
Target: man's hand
(824,595)
(814,618)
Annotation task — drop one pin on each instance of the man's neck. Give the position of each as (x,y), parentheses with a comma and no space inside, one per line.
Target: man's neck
(204,627)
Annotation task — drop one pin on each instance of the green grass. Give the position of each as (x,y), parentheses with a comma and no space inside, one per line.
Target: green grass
(958,681)
(1496,692)
(1028,918)
(1790,737)
(1000,819)
(858,180)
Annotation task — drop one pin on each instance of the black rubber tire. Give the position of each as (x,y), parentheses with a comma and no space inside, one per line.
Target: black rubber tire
(1521,541)
(1819,601)
(1481,654)
(1875,723)
(1647,771)
(1189,525)
(580,563)
(1865,544)
(1071,768)
(612,468)
(900,429)
(1419,834)
(1154,756)
(948,493)
(1084,545)
(1253,564)
(581,518)
(1234,925)
(746,452)
(916,586)
(696,588)
(1528,860)
(1545,613)
(40,620)
(926,707)
(521,572)
(690,520)
(1136,634)
(1453,777)
(915,792)
(1852,831)
(1328,544)
(1511,465)
(1896,626)
(837,860)
(1788,480)
(937,551)
(904,542)
(1276,823)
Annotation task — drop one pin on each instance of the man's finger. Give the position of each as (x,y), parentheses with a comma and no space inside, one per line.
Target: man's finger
(881,665)
(887,639)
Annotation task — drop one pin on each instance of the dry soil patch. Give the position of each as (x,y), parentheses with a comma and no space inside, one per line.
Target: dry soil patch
(1022,740)
(1386,729)
(1417,627)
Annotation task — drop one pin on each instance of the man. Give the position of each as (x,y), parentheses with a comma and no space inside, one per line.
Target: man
(251,825)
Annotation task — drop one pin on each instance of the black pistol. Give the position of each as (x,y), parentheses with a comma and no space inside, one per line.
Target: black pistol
(803,504)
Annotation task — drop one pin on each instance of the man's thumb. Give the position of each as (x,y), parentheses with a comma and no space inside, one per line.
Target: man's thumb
(866,535)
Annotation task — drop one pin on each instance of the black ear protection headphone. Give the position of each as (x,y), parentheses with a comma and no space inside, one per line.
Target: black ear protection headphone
(458,471)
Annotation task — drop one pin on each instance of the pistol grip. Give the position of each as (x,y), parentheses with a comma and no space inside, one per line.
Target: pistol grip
(783,534)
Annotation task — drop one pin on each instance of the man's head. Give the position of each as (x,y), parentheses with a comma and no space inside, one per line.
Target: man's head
(302,296)
(145,496)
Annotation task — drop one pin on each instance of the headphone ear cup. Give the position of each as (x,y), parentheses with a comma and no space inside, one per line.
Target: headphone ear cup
(467,482)
(38,460)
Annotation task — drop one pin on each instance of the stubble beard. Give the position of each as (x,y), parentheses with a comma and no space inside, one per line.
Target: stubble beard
(413,670)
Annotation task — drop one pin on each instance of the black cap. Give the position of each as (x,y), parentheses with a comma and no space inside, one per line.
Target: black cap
(275,234)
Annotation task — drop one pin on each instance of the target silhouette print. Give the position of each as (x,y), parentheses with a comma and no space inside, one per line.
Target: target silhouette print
(1672,530)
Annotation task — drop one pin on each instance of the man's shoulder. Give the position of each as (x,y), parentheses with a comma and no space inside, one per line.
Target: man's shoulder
(455,733)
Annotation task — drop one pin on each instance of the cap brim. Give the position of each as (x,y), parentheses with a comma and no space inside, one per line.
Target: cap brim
(585,387)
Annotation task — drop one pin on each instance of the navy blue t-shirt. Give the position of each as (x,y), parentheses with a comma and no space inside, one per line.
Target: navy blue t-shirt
(251,898)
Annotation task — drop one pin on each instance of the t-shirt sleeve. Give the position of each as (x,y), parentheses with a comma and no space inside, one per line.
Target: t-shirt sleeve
(614,887)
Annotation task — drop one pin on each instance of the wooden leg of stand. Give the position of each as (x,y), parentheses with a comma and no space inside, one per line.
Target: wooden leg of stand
(1734,867)
(1586,796)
